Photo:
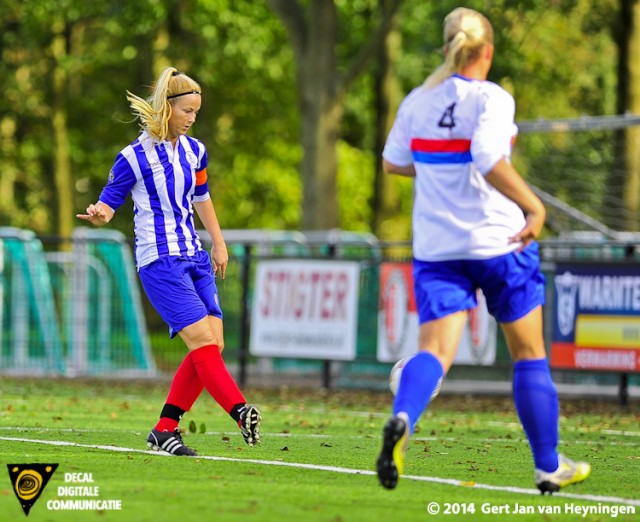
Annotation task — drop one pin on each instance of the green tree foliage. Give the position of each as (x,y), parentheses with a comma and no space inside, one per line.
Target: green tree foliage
(66,65)
(579,80)
(248,120)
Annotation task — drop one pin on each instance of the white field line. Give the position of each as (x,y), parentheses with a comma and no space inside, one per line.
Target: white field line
(336,469)
(623,433)
(326,436)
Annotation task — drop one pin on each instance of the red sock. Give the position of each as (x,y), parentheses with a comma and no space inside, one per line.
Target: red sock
(213,373)
(186,387)
(166,424)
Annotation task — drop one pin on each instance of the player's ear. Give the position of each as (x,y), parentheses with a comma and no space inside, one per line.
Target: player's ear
(489,48)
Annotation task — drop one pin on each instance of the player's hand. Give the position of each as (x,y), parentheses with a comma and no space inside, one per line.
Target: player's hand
(532,229)
(219,259)
(96,215)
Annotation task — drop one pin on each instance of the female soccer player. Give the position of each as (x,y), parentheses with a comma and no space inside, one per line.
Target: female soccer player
(474,225)
(166,173)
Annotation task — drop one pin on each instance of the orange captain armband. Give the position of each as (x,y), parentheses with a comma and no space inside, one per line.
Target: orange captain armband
(201,177)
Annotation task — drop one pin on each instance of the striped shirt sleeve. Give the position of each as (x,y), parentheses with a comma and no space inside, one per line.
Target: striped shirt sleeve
(120,182)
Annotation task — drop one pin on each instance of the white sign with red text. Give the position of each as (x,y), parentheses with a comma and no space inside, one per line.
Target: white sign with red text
(305,309)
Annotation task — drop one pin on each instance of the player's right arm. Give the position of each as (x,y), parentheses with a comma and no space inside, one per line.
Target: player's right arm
(402,170)
(120,182)
(98,214)
(397,157)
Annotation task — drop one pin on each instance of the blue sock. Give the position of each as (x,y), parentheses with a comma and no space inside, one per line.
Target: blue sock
(536,401)
(419,379)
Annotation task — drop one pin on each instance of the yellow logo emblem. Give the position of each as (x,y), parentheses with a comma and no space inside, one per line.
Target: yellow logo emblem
(29,481)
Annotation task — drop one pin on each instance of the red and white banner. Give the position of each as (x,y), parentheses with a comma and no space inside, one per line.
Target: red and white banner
(398,321)
(305,309)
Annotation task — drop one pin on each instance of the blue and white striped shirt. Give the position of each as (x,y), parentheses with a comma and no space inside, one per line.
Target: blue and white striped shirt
(164,182)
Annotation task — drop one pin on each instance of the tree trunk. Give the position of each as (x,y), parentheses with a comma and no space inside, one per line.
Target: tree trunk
(319,130)
(320,119)
(8,164)
(632,138)
(624,181)
(388,94)
(321,89)
(62,165)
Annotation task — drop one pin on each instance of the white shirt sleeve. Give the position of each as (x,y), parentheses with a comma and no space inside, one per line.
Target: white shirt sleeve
(494,135)
(397,149)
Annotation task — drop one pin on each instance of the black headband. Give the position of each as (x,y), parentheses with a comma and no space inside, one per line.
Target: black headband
(182,94)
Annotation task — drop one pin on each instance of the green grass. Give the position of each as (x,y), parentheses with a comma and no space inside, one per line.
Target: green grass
(466,439)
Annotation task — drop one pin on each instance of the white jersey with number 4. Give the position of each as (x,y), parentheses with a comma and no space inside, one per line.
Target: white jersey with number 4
(454,134)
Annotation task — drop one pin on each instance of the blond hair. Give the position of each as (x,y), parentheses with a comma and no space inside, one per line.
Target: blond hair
(466,32)
(155,111)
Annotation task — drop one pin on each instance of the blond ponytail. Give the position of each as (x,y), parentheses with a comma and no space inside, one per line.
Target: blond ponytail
(155,111)
(466,32)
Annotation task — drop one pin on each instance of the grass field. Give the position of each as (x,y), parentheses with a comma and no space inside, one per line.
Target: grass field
(469,459)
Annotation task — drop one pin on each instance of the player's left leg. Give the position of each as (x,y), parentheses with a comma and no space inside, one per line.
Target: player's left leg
(515,291)
(201,339)
(536,401)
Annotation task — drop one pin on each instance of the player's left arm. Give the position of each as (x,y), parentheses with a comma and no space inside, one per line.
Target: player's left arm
(219,254)
(504,177)
(203,206)
(491,146)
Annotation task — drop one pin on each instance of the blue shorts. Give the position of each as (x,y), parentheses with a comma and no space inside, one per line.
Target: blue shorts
(512,285)
(182,289)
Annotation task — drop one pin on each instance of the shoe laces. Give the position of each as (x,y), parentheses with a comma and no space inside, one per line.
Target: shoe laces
(177,435)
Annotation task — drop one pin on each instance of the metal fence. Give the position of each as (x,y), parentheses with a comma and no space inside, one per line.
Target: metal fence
(74,307)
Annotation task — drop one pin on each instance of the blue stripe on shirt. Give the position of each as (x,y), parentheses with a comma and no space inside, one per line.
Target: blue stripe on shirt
(154,200)
(188,184)
(178,212)
(441,158)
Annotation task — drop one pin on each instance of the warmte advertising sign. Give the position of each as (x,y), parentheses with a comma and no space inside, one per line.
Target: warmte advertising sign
(398,321)
(596,324)
(305,309)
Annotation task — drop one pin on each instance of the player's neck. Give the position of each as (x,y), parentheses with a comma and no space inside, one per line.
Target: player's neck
(475,71)
(479,69)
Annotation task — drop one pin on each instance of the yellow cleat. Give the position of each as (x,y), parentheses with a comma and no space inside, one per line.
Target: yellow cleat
(568,472)
(390,465)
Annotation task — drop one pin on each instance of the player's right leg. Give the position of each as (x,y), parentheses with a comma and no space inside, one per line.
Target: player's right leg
(390,463)
(419,382)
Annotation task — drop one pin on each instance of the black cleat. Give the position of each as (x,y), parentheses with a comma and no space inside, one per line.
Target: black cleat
(170,442)
(250,419)
(395,436)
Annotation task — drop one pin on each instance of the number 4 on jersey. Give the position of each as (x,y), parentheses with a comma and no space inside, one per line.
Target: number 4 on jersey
(447,117)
